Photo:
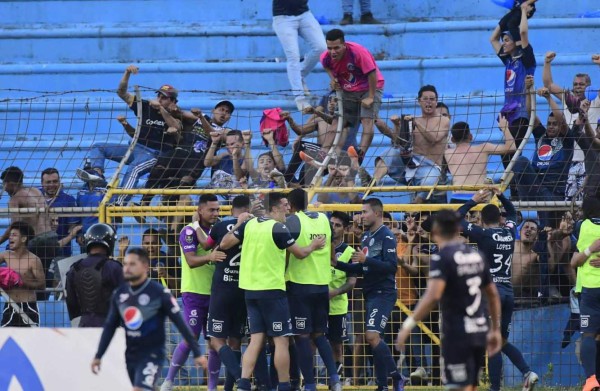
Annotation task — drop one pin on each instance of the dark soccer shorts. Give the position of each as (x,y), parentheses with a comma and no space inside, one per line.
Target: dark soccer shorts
(338,331)
(310,313)
(590,311)
(270,316)
(461,364)
(378,309)
(507,305)
(145,369)
(227,314)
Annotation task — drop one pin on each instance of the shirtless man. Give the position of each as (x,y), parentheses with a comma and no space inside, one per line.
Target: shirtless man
(467,162)
(30,278)
(45,242)
(525,269)
(429,142)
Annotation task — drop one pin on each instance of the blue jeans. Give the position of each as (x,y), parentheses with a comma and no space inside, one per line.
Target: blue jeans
(140,162)
(424,173)
(348,6)
(531,188)
(288,28)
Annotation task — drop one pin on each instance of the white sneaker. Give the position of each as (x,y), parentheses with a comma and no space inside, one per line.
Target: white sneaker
(418,376)
(529,380)
(167,386)
(305,88)
(302,103)
(87,177)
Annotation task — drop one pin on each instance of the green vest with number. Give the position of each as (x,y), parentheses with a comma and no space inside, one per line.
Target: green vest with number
(339,304)
(199,279)
(315,269)
(586,273)
(262,266)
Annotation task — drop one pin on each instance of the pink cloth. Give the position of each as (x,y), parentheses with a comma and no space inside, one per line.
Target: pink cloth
(9,278)
(352,70)
(271,119)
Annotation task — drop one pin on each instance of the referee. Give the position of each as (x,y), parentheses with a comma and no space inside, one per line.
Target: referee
(262,274)
(377,262)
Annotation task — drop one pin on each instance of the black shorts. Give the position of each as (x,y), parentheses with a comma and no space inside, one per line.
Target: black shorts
(378,309)
(461,364)
(144,370)
(13,318)
(338,329)
(269,316)
(589,308)
(309,312)
(226,313)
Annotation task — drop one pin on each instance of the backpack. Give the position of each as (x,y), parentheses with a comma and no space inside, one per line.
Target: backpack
(272,120)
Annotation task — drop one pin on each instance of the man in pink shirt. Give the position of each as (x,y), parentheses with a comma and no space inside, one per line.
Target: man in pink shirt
(352,69)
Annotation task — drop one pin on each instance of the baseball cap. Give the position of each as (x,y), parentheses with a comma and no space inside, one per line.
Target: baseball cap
(168,90)
(226,103)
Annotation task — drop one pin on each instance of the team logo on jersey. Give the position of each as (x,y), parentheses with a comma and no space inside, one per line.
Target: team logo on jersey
(144,299)
(545,152)
(189,235)
(511,77)
(132,316)
(371,241)
(338,255)
(123,297)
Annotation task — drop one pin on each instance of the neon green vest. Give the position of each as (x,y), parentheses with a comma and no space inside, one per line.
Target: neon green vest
(589,275)
(199,279)
(315,269)
(339,304)
(262,266)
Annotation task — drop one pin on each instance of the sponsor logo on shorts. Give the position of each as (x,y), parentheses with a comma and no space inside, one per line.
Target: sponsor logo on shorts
(458,372)
(193,321)
(585,321)
(384,320)
(217,326)
(277,326)
(149,373)
(300,323)
(144,299)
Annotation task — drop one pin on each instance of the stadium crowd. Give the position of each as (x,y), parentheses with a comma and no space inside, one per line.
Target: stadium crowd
(210,262)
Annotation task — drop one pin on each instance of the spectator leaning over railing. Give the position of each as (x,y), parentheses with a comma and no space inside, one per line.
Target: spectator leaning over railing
(544,177)
(352,68)
(587,264)
(229,166)
(467,162)
(44,243)
(519,61)
(21,274)
(57,198)
(416,162)
(290,20)
(159,133)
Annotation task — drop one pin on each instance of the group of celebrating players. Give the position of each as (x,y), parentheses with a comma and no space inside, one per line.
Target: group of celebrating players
(285,277)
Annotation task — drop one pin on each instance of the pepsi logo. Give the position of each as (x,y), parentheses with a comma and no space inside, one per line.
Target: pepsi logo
(365,251)
(545,153)
(133,318)
(511,77)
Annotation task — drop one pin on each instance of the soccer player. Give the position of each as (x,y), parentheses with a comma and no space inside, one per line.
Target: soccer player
(308,290)
(227,309)
(497,244)
(197,269)
(22,275)
(457,278)
(142,305)
(262,275)
(377,262)
(340,284)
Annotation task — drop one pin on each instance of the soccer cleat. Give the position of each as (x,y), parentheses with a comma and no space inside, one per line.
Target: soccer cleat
(167,386)
(347,19)
(418,376)
(591,384)
(529,380)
